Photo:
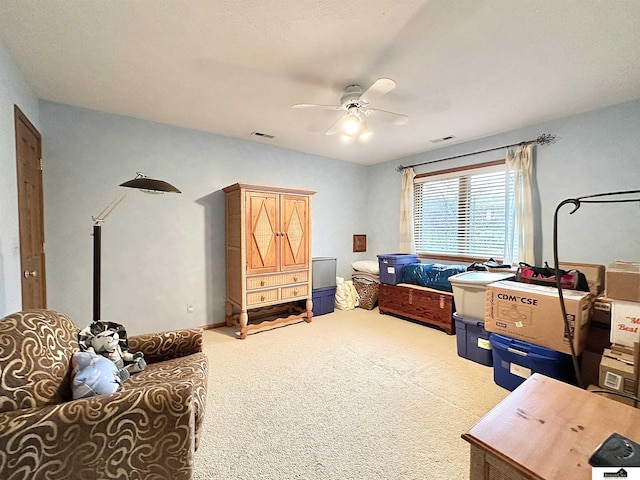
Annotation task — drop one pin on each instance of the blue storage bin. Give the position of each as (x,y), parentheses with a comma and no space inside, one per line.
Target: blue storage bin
(514,361)
(391,265)
(473,340)
(323,300)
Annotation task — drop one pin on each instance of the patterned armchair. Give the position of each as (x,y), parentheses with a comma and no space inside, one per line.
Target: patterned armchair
(147,430)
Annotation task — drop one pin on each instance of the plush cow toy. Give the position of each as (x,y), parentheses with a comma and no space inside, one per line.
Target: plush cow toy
(109,339)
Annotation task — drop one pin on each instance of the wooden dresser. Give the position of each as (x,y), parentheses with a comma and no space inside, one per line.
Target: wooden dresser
(546,429)
(423,304)
(268,254)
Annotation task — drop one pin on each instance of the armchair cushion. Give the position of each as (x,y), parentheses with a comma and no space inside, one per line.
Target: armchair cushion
(35,359)
(145,433)
(193,367)
(158,347)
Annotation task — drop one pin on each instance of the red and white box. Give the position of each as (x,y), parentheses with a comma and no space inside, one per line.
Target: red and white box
(625,323)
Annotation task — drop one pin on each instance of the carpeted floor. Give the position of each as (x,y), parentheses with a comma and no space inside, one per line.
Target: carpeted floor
(352,395)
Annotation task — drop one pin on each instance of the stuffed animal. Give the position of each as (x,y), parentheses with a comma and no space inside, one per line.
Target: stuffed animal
(110,340)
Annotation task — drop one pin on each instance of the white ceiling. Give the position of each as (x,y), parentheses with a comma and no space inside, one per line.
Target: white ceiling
(467,68)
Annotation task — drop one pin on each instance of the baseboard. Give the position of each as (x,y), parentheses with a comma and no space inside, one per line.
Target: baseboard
(211,326)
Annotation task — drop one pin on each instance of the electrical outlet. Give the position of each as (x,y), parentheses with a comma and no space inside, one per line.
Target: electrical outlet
(189,308)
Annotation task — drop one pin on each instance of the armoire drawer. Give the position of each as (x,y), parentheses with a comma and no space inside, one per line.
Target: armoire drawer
(262,296)
(275,280)
(295,291)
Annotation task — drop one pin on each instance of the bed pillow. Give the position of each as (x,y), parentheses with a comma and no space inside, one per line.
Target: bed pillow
(368,266)
(93,374)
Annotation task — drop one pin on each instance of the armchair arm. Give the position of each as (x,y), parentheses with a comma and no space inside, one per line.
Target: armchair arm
(158,347)
(145,433)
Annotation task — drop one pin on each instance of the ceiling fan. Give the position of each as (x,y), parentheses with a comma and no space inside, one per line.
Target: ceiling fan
(355,102)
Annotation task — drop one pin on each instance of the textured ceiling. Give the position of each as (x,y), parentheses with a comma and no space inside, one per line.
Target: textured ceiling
(465,68)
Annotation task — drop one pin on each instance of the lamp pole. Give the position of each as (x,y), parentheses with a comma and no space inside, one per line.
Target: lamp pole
(97,240)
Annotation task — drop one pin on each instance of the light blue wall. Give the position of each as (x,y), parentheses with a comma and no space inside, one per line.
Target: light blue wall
(14,90)
(161,253)
(596,152)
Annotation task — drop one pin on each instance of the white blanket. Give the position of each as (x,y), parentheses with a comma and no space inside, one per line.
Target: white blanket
(346,295)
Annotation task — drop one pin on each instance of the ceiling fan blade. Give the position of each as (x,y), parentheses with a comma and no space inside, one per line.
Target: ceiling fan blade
(336,127)
(312,105)
(379,88)
(389,117)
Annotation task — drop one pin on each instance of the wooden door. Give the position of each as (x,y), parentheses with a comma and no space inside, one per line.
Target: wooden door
(30,212)
(295,232)
(263,232)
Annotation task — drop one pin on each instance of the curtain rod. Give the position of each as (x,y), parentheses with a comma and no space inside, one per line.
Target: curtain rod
(544,139)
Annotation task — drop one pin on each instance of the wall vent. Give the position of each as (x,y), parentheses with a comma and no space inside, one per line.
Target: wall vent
(443,139)
(263,135)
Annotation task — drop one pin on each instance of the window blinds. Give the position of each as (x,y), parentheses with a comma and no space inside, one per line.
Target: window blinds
(462,213)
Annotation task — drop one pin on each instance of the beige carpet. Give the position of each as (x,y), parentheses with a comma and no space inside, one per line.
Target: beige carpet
(352,395)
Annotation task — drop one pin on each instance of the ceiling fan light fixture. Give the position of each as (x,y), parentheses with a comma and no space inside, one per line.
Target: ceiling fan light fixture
(365,135)
(352,125)
(355,102)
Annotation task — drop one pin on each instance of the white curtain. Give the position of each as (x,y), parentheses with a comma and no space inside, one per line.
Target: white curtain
(407,242)
(519,221)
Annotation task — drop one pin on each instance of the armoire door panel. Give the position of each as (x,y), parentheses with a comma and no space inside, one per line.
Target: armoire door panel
(262,225)
(295,244)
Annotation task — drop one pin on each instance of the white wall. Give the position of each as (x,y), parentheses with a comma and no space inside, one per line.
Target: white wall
(161,253)
(596,152)
(14,90)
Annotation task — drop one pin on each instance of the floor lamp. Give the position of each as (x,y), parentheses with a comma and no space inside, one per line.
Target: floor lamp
(141,182)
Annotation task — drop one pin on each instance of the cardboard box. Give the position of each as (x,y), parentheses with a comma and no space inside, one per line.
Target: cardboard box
(601,310)
(623,281)
(598,337)
(590,367)
(625,323)
(593,272)
(621,348)
(532,313)
(597,341)
(617,372)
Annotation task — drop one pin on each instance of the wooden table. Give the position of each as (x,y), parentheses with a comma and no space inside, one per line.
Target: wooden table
(546,429)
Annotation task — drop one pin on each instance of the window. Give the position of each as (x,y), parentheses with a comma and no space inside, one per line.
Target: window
(462,212)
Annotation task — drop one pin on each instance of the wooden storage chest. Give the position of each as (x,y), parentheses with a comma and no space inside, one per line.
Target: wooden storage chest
(425,305)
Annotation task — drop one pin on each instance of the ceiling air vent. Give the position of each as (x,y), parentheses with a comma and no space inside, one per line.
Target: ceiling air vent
(443,139)
(263,135)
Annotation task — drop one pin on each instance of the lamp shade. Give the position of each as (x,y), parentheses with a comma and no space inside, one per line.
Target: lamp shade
(150,184)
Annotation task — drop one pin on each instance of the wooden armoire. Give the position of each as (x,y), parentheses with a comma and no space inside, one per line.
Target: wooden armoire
(268,254)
